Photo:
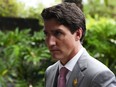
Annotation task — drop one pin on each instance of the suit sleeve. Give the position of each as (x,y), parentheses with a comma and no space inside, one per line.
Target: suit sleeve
(104,79)
(46,76)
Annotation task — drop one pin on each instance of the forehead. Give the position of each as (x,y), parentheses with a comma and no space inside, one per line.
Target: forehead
(51,22)
(52,25)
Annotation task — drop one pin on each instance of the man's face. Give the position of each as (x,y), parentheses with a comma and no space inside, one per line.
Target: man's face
(60,41)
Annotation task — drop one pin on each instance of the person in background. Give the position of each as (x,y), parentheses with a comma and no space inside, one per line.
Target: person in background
(64,28)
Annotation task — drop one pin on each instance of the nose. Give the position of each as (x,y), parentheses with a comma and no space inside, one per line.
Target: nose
(50,41)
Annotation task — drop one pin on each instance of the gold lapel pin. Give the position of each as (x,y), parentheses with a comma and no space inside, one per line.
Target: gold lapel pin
(75,82)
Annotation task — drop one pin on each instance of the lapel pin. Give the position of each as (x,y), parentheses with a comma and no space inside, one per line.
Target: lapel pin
(75,82)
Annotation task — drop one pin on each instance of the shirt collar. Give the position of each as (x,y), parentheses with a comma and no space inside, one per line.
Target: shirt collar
(70,64)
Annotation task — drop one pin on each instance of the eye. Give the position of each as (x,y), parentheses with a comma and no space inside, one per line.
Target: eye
(57,33)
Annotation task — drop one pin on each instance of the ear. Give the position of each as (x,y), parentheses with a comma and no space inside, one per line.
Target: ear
(78,34)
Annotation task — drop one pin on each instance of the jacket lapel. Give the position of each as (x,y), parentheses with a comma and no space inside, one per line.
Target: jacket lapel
(54,76)
(77,75)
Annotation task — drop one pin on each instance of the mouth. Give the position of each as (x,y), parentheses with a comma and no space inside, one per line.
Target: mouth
(54,51)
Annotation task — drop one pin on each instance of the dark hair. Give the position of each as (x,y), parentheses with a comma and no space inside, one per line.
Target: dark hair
(67,14)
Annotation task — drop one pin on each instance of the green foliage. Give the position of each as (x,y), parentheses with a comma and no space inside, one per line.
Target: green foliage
(100,40)
(23,58)
(12,8)
(106,8)
(8,8)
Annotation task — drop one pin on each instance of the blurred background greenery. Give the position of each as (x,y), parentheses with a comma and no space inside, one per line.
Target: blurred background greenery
(24,57)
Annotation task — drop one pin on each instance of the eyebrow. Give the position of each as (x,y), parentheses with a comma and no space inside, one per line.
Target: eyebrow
(53,30)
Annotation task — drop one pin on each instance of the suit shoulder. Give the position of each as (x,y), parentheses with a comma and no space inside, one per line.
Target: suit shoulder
(96,73)
(95,68)
(52,67)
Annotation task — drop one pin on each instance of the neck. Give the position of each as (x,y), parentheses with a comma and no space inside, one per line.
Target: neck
(74,52)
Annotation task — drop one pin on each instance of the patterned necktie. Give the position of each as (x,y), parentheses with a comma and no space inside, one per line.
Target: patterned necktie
(62,77)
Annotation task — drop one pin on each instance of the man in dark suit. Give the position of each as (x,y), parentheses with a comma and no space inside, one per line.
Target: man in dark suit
(64,27)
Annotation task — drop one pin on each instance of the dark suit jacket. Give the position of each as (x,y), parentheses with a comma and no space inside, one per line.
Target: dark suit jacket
(88,72)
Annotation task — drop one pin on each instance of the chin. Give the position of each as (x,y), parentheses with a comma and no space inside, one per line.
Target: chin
(57,57)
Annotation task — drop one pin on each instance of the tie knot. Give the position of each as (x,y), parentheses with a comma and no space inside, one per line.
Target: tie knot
(63,72)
